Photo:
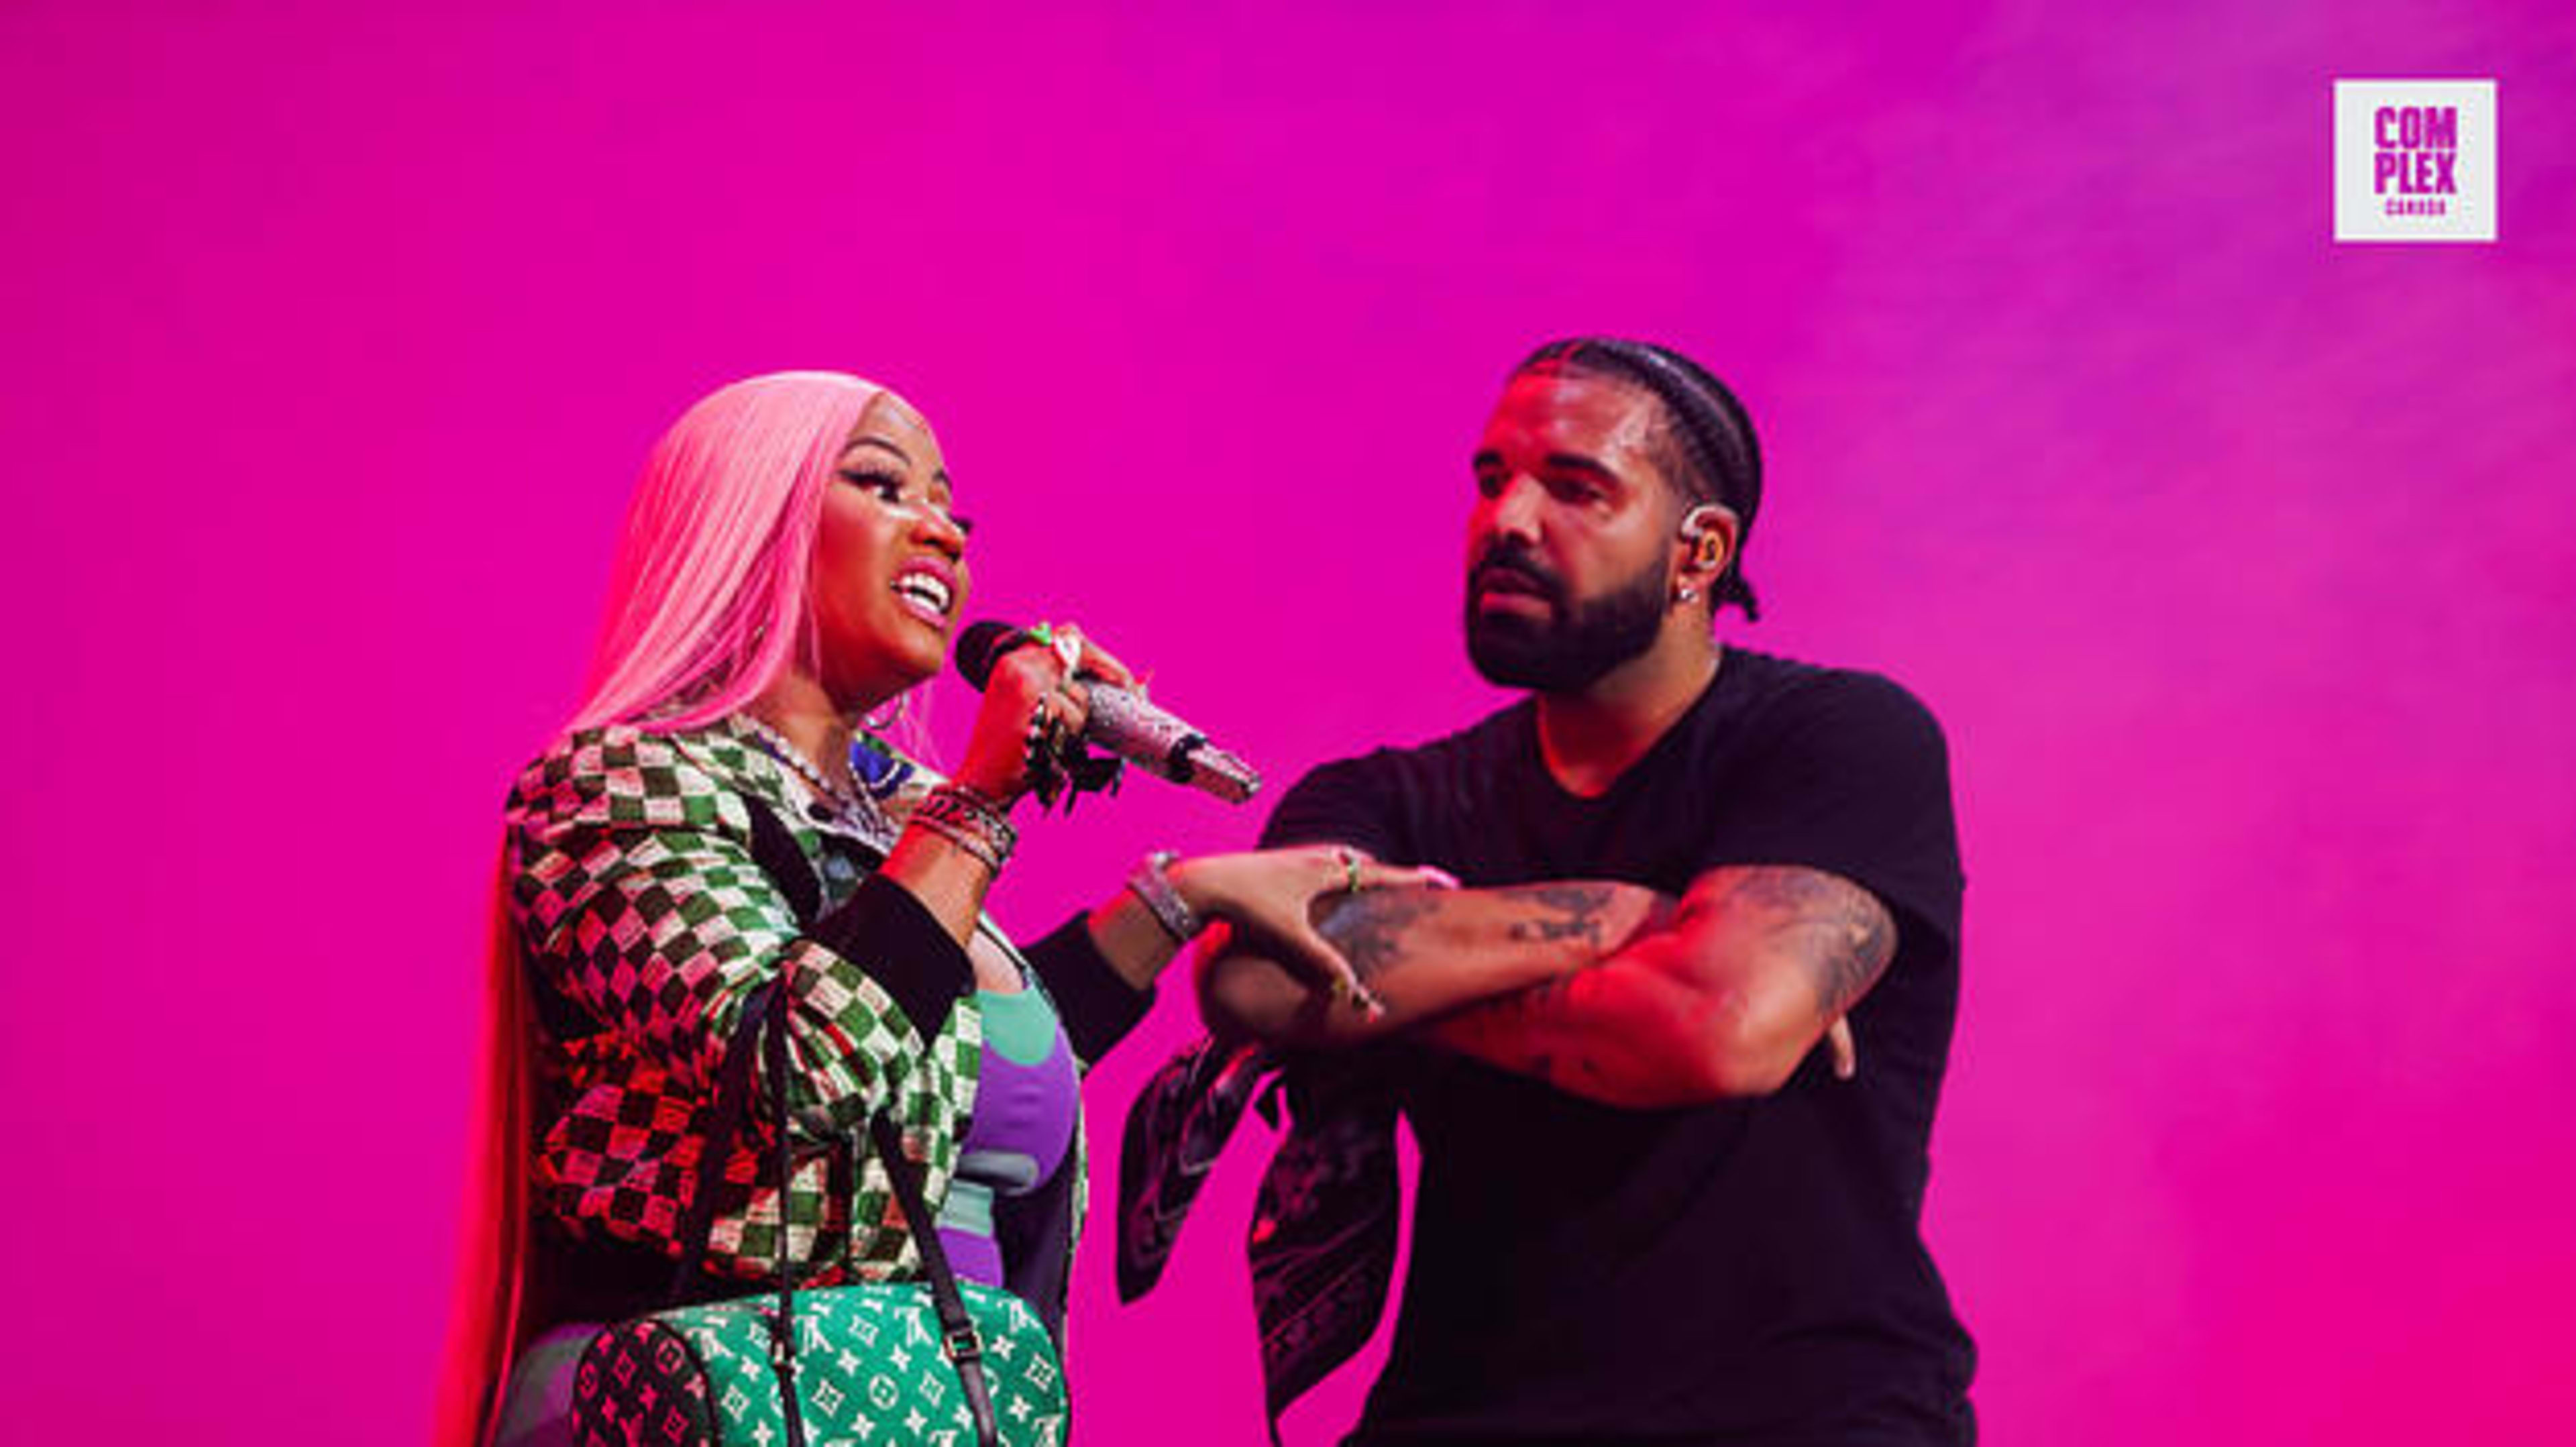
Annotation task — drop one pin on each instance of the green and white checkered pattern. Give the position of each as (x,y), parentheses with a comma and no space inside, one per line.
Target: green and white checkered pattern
(638,900)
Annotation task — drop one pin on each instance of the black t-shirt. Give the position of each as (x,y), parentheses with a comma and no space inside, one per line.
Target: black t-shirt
(1747,1271)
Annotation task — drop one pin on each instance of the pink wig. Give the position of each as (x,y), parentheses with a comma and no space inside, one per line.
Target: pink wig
(707,604)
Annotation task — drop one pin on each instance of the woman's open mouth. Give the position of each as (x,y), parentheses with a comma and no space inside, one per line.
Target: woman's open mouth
(926,591)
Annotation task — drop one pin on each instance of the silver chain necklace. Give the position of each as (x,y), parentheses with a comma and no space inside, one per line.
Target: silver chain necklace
(857,808)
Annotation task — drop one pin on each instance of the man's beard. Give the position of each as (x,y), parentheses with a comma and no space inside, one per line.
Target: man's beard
(1569,651)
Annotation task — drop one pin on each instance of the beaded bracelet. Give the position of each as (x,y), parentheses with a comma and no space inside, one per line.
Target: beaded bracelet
(970,821)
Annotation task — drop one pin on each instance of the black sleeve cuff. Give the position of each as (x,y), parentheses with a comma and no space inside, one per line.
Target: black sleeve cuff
(1098,1005)
(902,946)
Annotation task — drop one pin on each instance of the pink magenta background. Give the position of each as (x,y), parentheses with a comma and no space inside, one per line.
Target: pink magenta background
(2237,562)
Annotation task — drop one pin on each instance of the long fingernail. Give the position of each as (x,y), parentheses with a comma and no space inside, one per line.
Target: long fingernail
(1441,877)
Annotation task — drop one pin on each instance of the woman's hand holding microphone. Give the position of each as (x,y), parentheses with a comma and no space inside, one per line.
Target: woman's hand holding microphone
(1032,706)
(1032,703)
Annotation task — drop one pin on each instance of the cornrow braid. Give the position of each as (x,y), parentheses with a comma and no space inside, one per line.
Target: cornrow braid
(1721,462)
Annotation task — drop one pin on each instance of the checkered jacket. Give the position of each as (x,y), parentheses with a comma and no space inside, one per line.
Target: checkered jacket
(644,924)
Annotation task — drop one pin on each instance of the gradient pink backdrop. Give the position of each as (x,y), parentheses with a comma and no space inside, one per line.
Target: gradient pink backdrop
(2239,564)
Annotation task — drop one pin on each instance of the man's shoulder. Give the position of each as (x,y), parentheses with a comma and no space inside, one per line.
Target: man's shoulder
(1782,692)
(1476,745)
(1368,798)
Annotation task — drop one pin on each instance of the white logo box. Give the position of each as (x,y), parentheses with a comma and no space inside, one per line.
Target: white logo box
(2415,160)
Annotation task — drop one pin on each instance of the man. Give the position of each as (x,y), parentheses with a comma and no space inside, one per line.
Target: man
(1656,1203)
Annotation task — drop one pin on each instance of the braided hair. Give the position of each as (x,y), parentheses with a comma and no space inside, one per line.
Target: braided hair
(1705,448)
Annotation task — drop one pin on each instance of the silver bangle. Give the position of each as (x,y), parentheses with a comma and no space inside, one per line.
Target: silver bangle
(1151,883)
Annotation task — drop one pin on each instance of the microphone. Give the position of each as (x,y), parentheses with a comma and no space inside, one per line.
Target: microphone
(1123,723)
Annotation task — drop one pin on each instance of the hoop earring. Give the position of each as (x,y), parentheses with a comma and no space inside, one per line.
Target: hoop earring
(896,712)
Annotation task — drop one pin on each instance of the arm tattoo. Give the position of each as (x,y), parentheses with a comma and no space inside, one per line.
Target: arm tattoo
(1369,928)
(1840,931)
(1868,942)
(1571,912)
(1372,929)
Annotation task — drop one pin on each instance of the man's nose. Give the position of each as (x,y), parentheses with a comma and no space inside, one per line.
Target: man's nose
(1512,510)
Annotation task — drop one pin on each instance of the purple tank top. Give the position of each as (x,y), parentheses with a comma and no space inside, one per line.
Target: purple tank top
(1026,1097)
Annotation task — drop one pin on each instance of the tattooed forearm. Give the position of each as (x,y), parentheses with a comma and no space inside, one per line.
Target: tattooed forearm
(1603,917)
(1559,912)
(1720,997)
(1862,939)
(1380,929)
(1369,928)
(1430,952)
(1837,930)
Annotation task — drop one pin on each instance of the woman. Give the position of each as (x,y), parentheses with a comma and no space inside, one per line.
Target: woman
(791,568)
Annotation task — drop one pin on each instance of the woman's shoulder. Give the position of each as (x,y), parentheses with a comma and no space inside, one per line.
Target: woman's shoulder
(627,773)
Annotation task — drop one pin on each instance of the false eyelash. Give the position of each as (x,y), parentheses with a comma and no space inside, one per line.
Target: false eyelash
(886,487)
(890,489)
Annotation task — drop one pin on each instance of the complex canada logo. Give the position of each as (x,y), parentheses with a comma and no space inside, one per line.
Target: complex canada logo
(2415,160)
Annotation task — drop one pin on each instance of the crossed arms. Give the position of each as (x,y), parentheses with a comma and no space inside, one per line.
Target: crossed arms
(1608,991)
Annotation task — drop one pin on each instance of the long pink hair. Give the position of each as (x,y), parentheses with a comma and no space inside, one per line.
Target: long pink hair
(707,605)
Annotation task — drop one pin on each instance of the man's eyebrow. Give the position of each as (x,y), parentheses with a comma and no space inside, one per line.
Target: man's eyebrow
(1555,461)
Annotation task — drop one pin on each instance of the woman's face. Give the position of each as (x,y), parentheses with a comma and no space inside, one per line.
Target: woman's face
(889,559)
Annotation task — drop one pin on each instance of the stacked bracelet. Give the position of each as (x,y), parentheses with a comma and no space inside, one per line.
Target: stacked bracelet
(1152,883)
(970,821)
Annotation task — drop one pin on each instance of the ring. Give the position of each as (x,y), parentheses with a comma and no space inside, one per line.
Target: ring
(1351,870)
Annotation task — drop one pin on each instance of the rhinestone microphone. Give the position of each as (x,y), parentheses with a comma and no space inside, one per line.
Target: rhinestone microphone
(1123,723)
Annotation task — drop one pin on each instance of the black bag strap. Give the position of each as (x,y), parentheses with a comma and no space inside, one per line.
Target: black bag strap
(957,1335)
(733,1102)
(775,851)
(762,1029)
(782,1327)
